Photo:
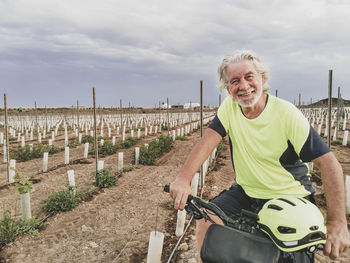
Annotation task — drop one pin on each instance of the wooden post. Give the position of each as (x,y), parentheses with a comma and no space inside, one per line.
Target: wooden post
(201,128)
(201,102)
(7,139)
(36,119)
(78,112)
(46,117)
(167,106)
(121,114)
(190,113)
(95,129)
(159,114)
(330,74)
(338,111)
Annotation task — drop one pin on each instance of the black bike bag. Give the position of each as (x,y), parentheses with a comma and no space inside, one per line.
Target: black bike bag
(223,244)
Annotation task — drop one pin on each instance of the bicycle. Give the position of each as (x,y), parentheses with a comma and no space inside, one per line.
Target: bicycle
(220,243)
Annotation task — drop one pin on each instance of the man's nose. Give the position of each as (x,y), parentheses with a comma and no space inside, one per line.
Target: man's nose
(244,84)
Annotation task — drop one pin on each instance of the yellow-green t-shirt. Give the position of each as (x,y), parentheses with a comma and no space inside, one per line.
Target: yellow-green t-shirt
(266,151)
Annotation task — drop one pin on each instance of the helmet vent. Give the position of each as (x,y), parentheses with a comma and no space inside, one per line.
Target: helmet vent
(275,207)
(286,230)
(287,201)
(314,228)
(315,237)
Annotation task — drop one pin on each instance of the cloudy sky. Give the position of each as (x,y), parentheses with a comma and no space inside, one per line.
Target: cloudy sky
(55,51)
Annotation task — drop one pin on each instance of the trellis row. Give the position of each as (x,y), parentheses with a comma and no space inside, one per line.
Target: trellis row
(86,122)
(318,118)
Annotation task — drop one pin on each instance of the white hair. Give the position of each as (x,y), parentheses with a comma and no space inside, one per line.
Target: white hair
(239,55)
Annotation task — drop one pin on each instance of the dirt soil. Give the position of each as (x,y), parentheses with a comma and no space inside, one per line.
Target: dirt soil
(115,225)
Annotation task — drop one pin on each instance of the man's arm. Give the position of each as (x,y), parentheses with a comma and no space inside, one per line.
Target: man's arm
(338,238)
(180,188)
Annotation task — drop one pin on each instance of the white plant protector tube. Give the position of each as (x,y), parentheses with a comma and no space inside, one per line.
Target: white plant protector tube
(123,135)
(25,206)
(155,247)
(100,165)
(23,141)
(45,161)
(86,150)
(194,184)
(71,179)
(66,155)
(12,171)
(174,135)
(120,161)
(180,223)
(347,189)
(345,138)
(137,155)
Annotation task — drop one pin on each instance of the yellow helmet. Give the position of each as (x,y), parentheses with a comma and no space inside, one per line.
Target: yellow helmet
(293,223)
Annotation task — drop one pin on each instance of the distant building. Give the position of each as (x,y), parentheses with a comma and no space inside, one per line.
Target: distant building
(165,106)
(191,105)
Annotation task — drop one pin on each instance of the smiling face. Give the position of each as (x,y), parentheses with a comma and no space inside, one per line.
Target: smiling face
(245,84)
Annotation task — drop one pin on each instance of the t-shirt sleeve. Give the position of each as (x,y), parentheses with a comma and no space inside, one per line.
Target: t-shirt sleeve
(314,147)
(307,143)
(217,126)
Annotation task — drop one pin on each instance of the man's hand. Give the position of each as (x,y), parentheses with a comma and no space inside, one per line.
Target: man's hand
(338,239)
(179,191)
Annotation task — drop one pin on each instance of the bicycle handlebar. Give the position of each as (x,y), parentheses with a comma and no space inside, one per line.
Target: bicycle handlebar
(247,221)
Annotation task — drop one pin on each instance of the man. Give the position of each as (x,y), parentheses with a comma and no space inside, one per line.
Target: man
(269,138)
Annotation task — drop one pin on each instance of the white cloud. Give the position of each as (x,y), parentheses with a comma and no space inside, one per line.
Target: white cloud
(180,38)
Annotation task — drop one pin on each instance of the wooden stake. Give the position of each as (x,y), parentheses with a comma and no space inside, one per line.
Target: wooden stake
(36,119)
(78,112)
(7,140)
(121,114)
(339,110)
(167,107)
(330,74)
(201,127)
(95,128)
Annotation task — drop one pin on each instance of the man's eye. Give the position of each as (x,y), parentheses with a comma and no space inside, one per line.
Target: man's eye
(234,82)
